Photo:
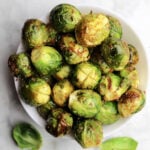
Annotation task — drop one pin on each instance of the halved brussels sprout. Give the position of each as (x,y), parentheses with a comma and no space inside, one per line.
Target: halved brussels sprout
(115,53)
(20,65)
(88,133)
(108,113)
(61,92)
(59,122)
(84,103)
(73,52)
(92,30)
(131,102)
(34,33)
(65,17)
(112,86)
(46,60)
(35,91)
(86,75)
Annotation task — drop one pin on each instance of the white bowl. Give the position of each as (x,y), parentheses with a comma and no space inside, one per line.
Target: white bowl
(129,36)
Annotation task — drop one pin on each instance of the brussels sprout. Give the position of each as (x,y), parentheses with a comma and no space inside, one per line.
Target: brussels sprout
(46,60)
(86,75)
(88,133)
(34,33)
(108,113)
(20,65)
(134,56)
(84,103)
(73,52)
(112,86)
(27,137)
(61,92)
(119,143)
(131,102)
(63,72)
(59,122)
(115,28)
(35,91)
(45,109)
(115,53)
(65,17)
(92,30)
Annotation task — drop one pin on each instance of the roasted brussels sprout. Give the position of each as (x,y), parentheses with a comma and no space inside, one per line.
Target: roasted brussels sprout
(35,91)
(34,33)
(112,86)
(73,52)
(131,102)
(86,75)
(27,137)
(46,60)
(45,109)
(92,30)
(88,133)
(115,53)
(115,28)
(108,113)
(65,17)
(84,103)
(61,92)
(59,122)
(20,65)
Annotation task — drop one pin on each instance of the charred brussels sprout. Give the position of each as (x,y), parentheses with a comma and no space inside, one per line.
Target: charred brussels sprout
(65,17)
(59,122)
(84,103)
(86,75)
(61,92)
(92,30)
(46,60)
(34,33)
(73,52)
(20,65)
(131,102)
(108,113)
(115,53)
(115,28)
(88,133)
(35,91)
(112,86)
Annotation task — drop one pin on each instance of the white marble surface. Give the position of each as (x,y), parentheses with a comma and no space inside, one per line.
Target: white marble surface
(13,13)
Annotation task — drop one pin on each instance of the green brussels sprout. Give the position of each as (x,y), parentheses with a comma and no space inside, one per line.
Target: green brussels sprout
(134,56)
(86,75)
(61,92)
(112,86)
(73,52)
(108,113)
(20,65)
(115,28)
(65,17)
(46,60)
(119,143)
(59,122)
(27,137)
(84,103)
(63,72)
(35,91)
(34,33)
(115,53)
(131,102)
(88,133)
(92,30)
(45,109)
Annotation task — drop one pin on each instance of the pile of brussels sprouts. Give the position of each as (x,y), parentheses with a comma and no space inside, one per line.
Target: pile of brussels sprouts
(78,73)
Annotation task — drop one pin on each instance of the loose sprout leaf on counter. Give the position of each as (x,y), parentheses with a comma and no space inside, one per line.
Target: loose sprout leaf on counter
(78,73)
